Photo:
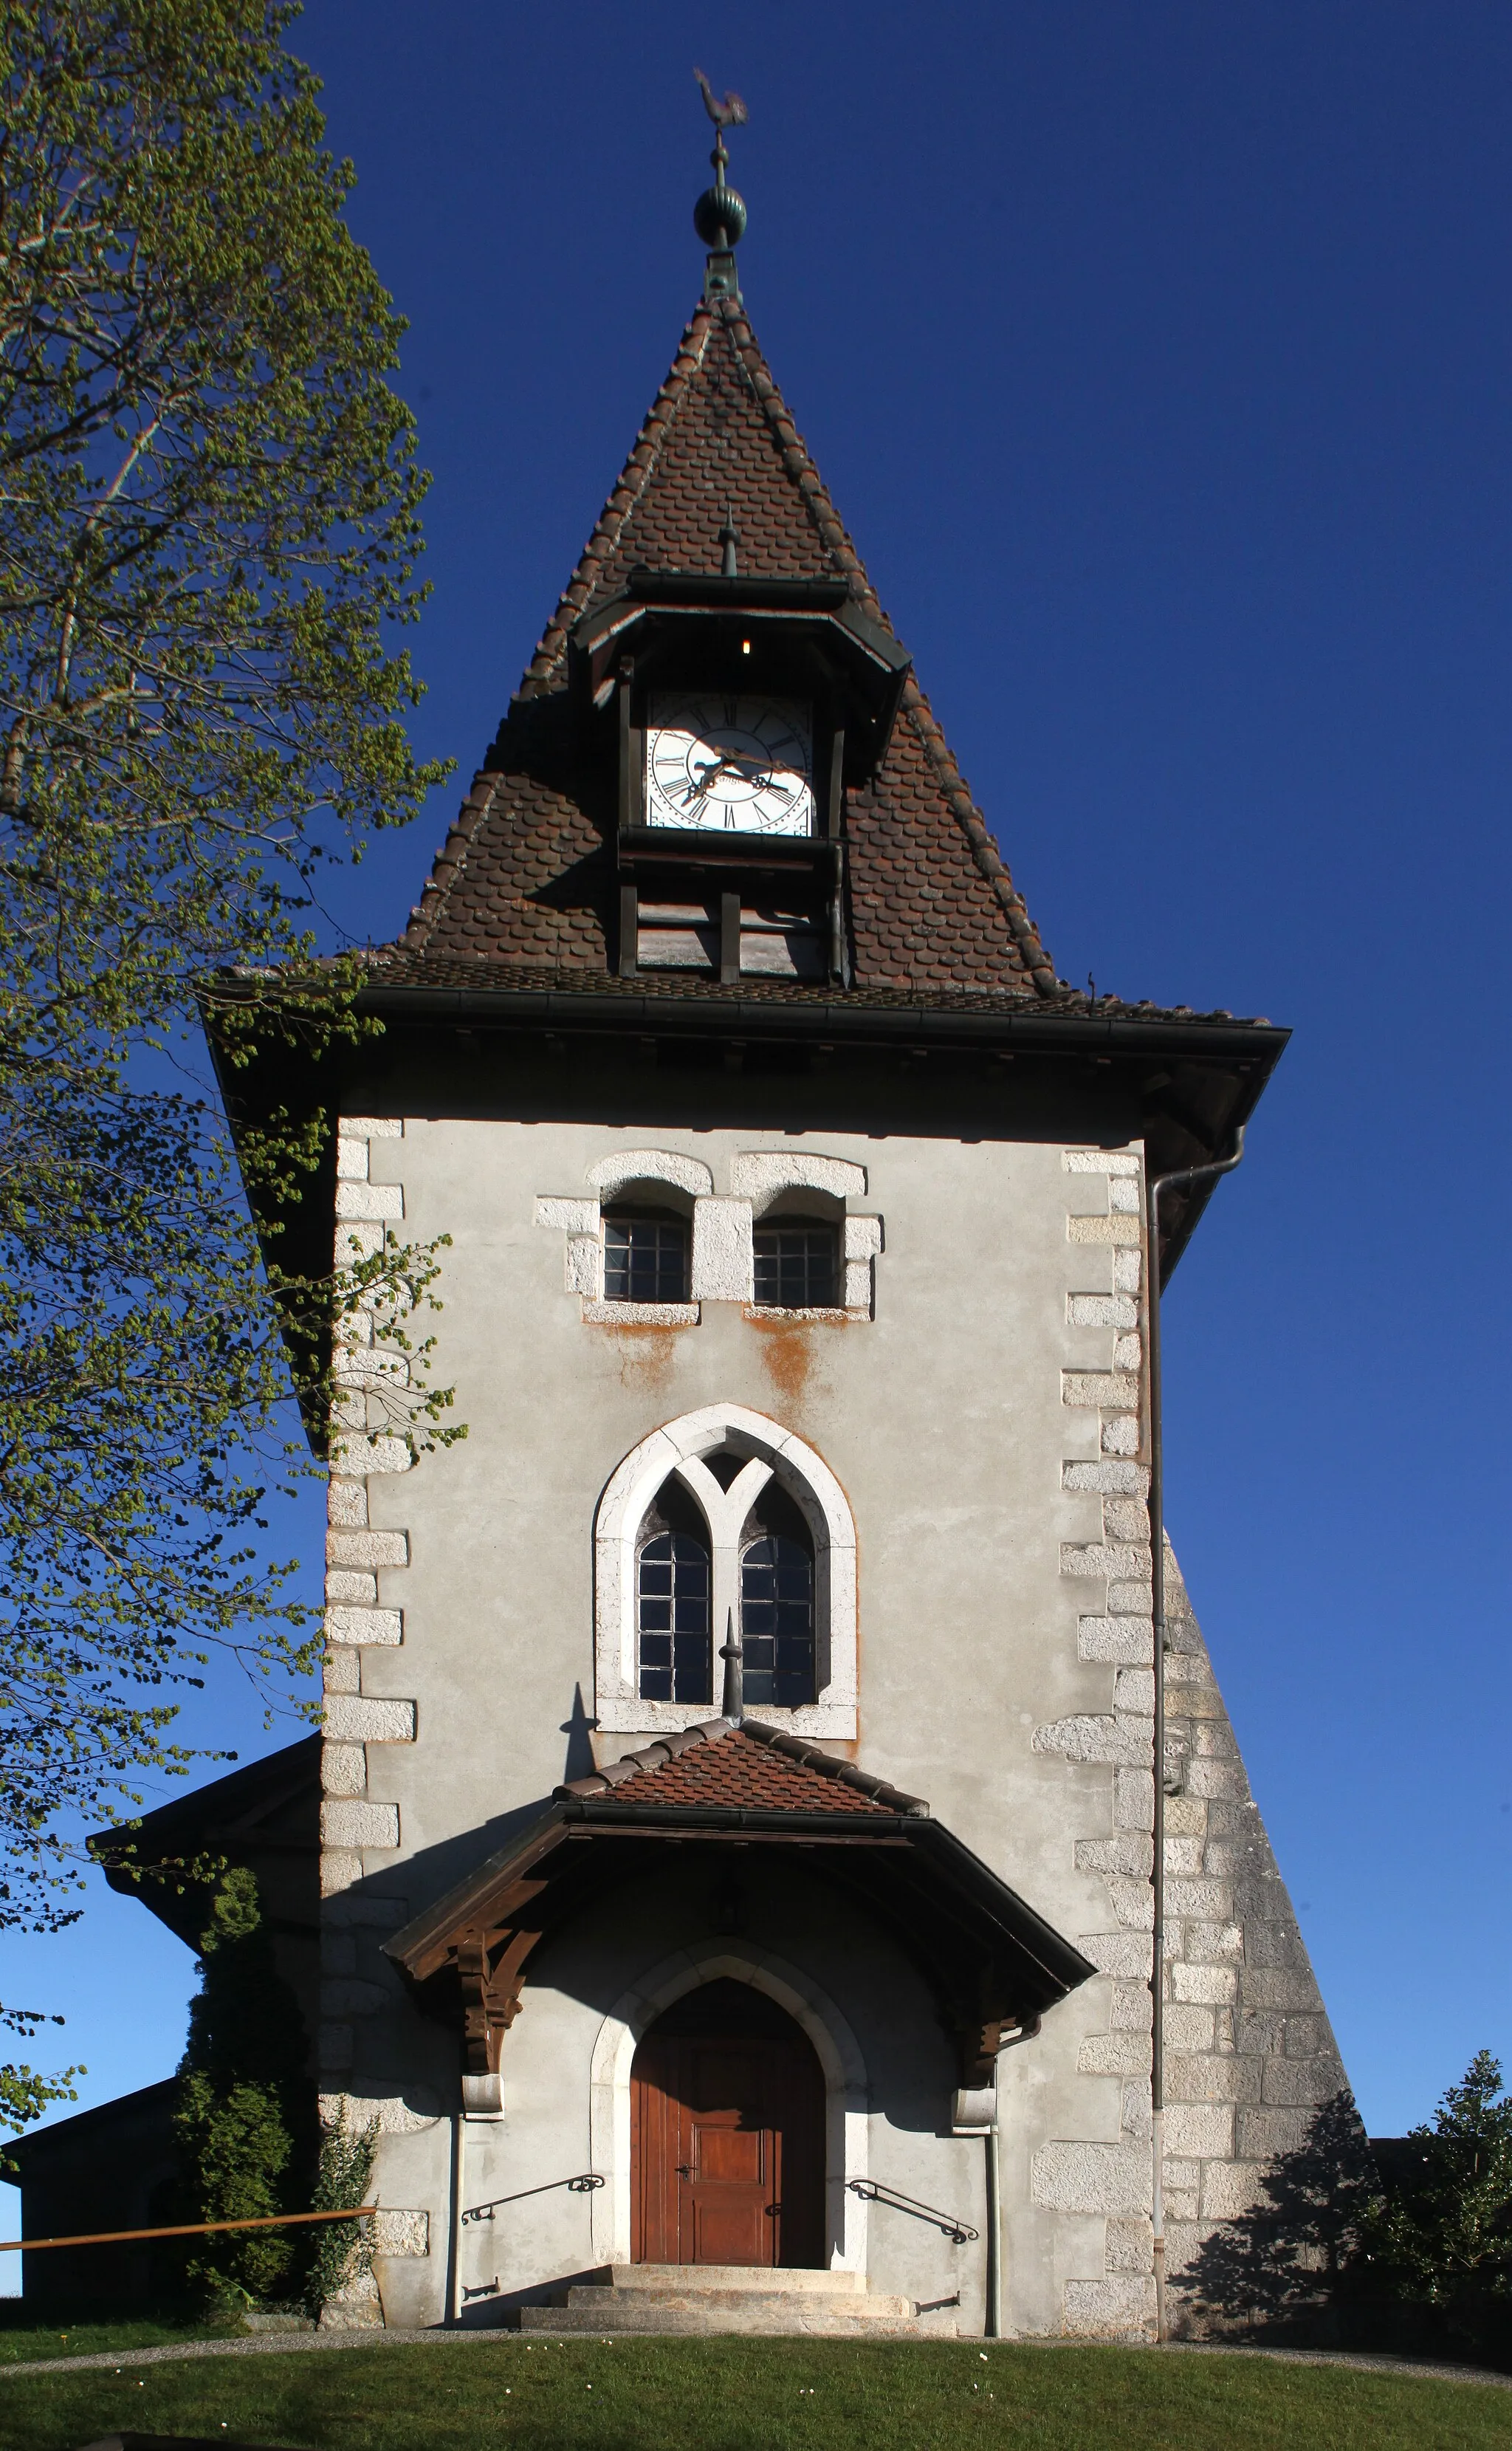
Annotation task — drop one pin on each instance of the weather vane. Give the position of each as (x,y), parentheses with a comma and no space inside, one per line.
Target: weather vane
(718,215)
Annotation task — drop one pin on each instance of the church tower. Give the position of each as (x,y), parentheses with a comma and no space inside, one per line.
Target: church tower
(738,1778)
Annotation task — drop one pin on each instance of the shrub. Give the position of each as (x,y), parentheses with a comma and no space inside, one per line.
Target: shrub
(341,2252)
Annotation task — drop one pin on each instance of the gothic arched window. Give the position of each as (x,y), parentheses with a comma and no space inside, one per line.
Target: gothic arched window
(725,1517)
(675,1659)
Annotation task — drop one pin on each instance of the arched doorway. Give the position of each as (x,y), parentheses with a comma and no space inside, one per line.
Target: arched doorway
(726,2134)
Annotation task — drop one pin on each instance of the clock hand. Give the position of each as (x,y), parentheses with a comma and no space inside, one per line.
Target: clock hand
(732,764)
(706,777)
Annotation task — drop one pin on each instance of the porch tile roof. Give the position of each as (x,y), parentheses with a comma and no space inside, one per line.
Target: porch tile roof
(750,1767)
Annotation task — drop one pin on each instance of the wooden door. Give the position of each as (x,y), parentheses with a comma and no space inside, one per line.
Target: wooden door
(727,2135)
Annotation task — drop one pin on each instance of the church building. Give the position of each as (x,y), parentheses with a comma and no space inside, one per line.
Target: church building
(726,1870)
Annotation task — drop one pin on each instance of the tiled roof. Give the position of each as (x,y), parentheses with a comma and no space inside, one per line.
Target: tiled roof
(525,874)
(749,1768)
(477,974)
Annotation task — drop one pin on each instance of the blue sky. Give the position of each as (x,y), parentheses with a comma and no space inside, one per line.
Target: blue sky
(1158,358)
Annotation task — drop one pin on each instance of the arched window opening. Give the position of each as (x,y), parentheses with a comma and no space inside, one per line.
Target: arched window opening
(777,1603)
(797,1264)
(672,1601)
(728,1481)
(644,1254)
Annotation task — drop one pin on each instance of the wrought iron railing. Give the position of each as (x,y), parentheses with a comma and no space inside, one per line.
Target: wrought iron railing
(582,2184)
(959,2232)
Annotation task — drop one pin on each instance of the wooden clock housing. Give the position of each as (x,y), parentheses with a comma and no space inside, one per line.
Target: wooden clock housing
(713,901)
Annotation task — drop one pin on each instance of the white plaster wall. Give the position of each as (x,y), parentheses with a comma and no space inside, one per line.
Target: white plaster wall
(946,1417)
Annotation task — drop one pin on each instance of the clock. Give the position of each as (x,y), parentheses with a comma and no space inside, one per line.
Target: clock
(726,764)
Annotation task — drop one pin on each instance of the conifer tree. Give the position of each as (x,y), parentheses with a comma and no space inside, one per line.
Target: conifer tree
(244,2118)
(1444,2240)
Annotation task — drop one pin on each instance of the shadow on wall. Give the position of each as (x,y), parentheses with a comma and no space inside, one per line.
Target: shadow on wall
(579,1728)
(1290,2268)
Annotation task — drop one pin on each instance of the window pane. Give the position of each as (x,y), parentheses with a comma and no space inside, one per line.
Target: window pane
(645,1259)
(676,1660)
(796,1267)
(777,1623)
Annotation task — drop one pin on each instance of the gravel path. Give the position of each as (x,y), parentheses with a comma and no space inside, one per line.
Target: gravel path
(283,2344)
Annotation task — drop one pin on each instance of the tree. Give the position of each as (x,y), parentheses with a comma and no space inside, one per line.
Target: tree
(243,2118)
(25,2095)
(1441,2237)
(208,529)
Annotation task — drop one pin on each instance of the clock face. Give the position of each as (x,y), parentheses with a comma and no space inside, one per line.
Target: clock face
(727,764)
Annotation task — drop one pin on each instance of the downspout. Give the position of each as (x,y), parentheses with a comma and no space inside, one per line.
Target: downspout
(992,2323)
(482,2102)
(974,2112)
(453,2310)
(1155,1185)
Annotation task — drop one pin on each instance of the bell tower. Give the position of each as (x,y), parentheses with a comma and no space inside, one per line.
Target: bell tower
(797,1284)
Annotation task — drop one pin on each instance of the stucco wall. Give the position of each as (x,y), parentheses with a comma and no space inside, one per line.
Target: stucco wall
(985,1425)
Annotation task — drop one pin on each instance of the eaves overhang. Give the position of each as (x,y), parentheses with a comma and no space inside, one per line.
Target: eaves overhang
(1014,1022)
(266,1812)
(670,622)
(991,1963)
(1195,1078)
(1237,1056)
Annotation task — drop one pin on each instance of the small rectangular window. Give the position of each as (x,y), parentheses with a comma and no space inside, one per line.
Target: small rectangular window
(796,1267)
(645,1259)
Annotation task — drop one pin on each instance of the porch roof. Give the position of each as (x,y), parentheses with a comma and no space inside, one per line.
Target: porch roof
(992,1964)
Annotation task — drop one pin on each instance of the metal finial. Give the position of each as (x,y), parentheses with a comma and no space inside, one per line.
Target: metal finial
(732,1706)
(720,215)
(729,538)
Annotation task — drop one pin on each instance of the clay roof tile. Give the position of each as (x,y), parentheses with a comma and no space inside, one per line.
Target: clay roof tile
(526,875)
(750,1767)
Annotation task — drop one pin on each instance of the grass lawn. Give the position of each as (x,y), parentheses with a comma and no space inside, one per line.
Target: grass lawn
(733,2395)
(22,2342)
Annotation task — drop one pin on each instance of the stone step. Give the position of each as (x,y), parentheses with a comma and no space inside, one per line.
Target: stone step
(705,2298)
(798,2316)
(854,2302)
(761,2277)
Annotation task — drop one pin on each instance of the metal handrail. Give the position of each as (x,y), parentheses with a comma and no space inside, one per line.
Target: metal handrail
(582,2184)
(872,2192)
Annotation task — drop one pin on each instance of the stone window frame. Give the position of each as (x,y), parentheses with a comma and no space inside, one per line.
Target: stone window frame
(758,1178)
(582,1221)
(723,1259)
(773,1453)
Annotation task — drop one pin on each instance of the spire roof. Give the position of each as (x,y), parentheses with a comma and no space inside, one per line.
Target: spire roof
(525,877)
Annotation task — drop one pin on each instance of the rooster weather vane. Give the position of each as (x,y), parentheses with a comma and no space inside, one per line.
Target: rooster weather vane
(718,215)
(732,112)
